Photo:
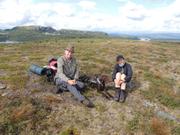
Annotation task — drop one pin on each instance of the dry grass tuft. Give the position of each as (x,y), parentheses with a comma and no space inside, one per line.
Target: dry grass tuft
(159,127)
(52,99)
(22,113)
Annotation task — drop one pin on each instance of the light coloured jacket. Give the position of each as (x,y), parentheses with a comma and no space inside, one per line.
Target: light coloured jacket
(67,69)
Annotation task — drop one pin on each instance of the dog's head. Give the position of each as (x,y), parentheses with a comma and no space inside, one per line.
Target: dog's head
(101,82)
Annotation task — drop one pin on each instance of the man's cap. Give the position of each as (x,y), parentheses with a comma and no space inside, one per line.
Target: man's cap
(119,57)
(70,48)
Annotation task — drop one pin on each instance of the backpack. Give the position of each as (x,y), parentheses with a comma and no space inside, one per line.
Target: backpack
(51,69)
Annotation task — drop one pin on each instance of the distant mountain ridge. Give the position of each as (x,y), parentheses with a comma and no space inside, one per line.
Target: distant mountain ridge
(164,36)
(32,33)
(28,33)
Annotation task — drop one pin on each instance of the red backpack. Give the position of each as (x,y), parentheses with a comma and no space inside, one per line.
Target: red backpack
(51,69)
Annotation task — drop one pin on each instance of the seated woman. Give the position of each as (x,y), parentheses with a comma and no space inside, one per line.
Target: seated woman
(122,74)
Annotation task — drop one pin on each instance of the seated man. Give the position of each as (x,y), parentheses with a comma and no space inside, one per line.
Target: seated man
(68,74)
(122,74)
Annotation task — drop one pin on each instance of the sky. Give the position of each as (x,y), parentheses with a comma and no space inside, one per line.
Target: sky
(99,15)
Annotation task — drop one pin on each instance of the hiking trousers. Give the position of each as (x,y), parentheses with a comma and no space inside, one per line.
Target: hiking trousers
(73,89)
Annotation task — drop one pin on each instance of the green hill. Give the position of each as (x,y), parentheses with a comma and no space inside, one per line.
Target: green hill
(31,33)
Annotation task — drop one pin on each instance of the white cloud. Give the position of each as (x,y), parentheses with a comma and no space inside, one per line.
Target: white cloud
(122,0)
(87,5)
(158,19)
(8,15)
(19,12)
(85,16)
(133,11)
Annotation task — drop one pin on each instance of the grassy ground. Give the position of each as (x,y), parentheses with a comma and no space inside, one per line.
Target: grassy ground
(28,106)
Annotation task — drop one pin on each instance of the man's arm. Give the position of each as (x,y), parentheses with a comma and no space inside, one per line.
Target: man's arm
(129,73)
(60,64)
(77,72)
(76,77)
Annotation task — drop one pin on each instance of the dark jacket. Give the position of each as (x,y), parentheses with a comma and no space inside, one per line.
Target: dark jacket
(126,69)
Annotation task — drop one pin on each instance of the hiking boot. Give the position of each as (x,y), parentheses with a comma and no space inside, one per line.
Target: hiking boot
(117,94)
(122,96)
(88,103)
(58,90)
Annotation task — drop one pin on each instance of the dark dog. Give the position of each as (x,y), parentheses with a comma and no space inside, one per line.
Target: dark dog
(98,82)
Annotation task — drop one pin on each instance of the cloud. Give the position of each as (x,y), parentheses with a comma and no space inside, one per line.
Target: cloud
(11,12)
(144,19)
(140,18)
(122,1)
(177,15)
(28,13)
(133,11)
(86,15)
(87,5)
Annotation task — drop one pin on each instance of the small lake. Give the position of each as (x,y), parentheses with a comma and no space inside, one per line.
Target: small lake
(9,42)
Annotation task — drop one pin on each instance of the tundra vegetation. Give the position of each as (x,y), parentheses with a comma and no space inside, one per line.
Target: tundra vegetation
(29,106)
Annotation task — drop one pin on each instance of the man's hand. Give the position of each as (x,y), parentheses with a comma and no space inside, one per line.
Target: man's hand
(72,82)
